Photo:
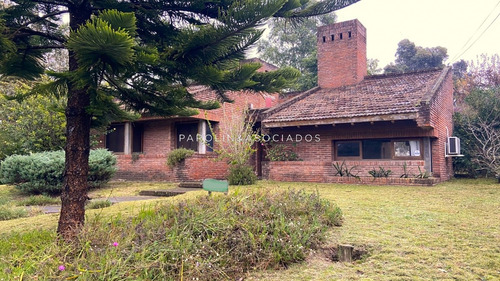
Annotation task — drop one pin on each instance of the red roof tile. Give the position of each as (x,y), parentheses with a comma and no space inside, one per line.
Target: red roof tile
(374,96)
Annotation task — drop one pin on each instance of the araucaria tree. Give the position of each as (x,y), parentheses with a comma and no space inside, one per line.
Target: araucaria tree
(142,53)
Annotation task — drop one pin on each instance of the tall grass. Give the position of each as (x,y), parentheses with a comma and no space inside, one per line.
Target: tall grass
(9,212)
(209,238)
(39,200)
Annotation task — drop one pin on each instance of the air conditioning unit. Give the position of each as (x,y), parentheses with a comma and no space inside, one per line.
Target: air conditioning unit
(453,146)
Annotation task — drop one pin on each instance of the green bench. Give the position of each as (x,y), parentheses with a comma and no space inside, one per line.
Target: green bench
(212,185)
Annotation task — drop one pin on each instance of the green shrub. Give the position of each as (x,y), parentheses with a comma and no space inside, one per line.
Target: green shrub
(102,167)
(241,175)
(98,204)
(207,238)
(42,173)
(39,200)
(178,155)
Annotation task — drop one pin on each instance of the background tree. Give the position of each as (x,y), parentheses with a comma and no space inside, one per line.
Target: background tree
(478,126)
(34,125)
(372,67)
(413,58)
(31,124)
(143,53)
(477,117)
(484,73)
(294,44)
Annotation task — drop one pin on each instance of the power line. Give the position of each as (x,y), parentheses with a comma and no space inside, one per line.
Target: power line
(475,32)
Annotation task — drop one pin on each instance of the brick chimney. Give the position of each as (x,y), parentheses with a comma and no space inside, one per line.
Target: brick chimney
(341,54)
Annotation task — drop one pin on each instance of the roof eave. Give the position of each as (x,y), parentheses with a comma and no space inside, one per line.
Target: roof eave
(343,120)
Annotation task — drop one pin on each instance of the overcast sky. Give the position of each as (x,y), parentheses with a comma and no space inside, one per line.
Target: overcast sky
(427,23)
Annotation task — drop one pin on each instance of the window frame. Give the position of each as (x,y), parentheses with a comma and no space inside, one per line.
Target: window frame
(392,146)
(420,143)
(360,145)
(129,134)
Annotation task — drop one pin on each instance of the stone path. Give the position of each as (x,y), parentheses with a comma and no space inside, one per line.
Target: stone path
(145,195)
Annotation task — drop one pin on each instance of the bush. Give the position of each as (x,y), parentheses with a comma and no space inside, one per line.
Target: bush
(178,155)
(42,173)
(279,152)
(241,175)
(207,238)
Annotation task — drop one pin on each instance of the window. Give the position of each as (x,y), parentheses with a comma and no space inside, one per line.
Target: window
(187,136)
(378,149)
(137,133)
(125,138)
(407,148)
(115,139)
(209,138)
(195,136)
(348,149)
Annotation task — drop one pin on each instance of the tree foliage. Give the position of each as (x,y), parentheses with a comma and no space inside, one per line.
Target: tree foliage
(34,124)
(484,73)
(289,44)
(478,126)
(410,57)
(141,53)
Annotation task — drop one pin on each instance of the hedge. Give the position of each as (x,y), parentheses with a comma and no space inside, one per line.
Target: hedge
(42,173)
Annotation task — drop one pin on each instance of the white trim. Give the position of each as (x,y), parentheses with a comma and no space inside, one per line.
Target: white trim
(127,143)
(202,132)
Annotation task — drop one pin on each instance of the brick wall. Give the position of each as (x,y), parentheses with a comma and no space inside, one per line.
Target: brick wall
(323,171)
(317,155)
(441,118)
(153,167)
(341,61)
(160,137)
(320,148)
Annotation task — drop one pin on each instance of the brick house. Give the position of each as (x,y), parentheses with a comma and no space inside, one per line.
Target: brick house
(142,146)
(389,121)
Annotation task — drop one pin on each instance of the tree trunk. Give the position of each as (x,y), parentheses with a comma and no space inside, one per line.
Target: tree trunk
(74,191)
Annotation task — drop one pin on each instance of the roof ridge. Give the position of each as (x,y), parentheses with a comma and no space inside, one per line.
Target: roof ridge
(299,97)
(388,75)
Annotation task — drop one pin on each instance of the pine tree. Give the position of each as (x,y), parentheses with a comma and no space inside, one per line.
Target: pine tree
(143,53)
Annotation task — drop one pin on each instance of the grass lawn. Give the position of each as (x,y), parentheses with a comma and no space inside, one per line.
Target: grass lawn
(447,232)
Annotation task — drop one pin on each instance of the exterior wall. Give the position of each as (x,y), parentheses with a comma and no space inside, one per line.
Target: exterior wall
(341,62)
(153,167)
(317,155)
(160,137)
(241,100)
(317,171)
(441,116)
(320,147)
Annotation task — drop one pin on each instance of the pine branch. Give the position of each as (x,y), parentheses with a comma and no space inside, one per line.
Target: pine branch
(43,47)
(64,3)
(28,31)
(38,19)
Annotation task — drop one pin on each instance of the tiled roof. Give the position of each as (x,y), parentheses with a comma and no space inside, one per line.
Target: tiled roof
(374,96)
